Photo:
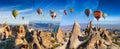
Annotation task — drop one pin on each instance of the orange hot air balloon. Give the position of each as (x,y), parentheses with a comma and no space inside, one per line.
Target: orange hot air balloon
(97,14)
(65,12)
(39,11)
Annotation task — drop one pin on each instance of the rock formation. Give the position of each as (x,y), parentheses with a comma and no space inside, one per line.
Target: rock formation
(19,42)
(59,36)
(5,31)
(22,31)
(95,42)
(76,32)
(89,30)
(46,39)
(90,38)
(36,43)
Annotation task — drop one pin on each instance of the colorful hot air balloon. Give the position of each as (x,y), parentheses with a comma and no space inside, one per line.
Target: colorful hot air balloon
(104,15)
(15,13)
(71,10)
(97,14)
(53,14)
(39,11)
(65,12)
(51,11)
(88,12)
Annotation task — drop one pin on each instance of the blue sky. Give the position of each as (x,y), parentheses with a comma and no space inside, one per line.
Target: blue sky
(27,9)
(112,8)
(24,7)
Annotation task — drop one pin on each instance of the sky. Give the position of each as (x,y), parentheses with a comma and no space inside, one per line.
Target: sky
(27,9)
(112,8)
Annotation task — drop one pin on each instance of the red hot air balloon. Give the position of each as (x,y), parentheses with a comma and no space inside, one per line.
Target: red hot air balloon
(39,11)
(97,14)
(88,12)
(65,12)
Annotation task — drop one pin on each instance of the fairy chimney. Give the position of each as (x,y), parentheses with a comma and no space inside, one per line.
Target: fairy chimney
(60,36)
(96,41)
(22,31)
(76,32)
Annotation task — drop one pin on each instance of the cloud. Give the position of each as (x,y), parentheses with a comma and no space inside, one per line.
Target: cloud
(25,10)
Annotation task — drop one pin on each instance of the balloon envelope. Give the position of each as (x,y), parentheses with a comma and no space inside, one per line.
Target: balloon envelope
(71,10)
(65,12)
(15,13)
(51,11)
(53,14)
(104,15)
(88,12)
(97,14)
(39,11)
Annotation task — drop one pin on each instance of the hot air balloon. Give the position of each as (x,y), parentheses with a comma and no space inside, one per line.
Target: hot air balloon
(71,10)
(65,12)
(104,15)
(97,14)
(22,18)
(51,11)
(15,13)
(53,14)
(39,11)
(88,12)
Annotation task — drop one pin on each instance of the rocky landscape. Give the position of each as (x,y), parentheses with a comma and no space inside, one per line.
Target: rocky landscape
(22,37)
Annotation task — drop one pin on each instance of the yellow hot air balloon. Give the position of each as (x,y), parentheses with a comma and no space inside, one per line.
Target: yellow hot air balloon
(104,15)
(15,13)
(71,10)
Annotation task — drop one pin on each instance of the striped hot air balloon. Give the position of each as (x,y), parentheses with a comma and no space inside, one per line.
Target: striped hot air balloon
(97,14)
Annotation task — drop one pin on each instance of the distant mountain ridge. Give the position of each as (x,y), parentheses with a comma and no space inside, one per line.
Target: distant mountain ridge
(47,26)
(84,25)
